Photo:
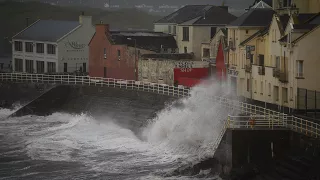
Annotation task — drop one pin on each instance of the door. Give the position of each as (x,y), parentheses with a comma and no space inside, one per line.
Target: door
(65,67)
(84,67)
(105,72)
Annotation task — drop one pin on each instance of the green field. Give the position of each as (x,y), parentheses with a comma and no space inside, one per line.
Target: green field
(13,18)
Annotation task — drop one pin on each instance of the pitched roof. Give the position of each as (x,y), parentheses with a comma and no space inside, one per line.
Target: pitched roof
(260,33)
(304,26)
(199,15)
(175,56)
(148,40)
(315,19)
(305,34)
(261,4)
(302,17)
(215,16)
(284,19)
(283,39)
(47,30)
(254,18)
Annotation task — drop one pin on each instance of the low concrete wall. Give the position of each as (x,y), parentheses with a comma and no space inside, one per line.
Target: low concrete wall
(91,99)
(21,93)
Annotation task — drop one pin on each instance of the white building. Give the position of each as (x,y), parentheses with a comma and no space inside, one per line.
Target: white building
(50,46)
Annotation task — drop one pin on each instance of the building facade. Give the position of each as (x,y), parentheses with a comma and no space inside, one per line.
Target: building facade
(182,70)
(246,26)
(50,46)
(193,25)
(115,54)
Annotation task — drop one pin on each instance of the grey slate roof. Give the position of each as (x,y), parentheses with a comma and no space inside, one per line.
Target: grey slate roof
(284,19)
(148,40)
(302,17)
(254,18)
(213,15)
(315,20)
(47,30)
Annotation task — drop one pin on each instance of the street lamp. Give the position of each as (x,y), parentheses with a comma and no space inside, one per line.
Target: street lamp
(135,57)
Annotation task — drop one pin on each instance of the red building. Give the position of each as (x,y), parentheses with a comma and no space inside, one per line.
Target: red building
(114,54)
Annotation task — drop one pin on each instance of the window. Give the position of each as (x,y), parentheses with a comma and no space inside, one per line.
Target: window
(185,34)
(119,55)
(51,67)
(185,50)
(18,46)
(285,95)
(165,50)
(174,29)
(18,65)
(261,60)
(29,46)
(29,66)
(261,86)
(40,66)
(299,68)
(169,29)
(291,94)
(65,67)
(104,72)
(247,31)
(206,52)
(269,94)
(276,93)
(40,48)
(213,32)
(104,53)
(278,62)
(51,49)
(255,86)
(84,67)
(248,85)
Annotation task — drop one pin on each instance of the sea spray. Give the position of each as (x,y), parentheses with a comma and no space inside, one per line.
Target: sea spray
(191,126)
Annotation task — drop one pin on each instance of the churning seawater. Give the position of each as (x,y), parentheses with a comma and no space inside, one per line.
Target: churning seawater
(82,146)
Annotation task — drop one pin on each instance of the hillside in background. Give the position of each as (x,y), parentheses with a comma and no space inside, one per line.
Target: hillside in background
(13,18)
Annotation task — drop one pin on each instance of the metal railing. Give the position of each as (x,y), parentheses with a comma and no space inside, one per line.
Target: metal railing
(267,118)
(97,81)
(260,122)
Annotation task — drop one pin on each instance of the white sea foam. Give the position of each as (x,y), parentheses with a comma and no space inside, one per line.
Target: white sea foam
(102,145)
(188,130)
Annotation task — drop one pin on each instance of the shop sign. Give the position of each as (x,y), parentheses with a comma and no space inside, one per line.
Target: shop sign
(233,72)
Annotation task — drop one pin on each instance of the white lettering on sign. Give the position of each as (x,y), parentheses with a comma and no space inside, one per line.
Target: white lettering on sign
(185,69)
(233,72)
(183,64)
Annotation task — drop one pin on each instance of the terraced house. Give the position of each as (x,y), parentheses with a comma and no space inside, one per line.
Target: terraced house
(193,25)
(272,63)
(51,46)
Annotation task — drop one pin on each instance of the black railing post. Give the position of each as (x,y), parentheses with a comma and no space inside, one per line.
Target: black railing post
(306,102)
(315,104)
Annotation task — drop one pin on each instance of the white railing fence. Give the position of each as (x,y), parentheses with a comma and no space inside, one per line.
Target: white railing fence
(265,122)
(264,117)
(97,81)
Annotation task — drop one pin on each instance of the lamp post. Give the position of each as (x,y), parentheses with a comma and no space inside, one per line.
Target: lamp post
(135,57)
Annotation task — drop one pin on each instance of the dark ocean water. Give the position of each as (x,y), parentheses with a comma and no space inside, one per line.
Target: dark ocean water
(107,146)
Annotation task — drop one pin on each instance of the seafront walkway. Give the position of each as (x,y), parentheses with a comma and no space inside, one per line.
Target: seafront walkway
(252,116)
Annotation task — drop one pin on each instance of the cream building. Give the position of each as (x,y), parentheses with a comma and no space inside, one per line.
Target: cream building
(193,25)
(247,25)
(272,62)
(209,50)
(50,46)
